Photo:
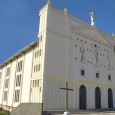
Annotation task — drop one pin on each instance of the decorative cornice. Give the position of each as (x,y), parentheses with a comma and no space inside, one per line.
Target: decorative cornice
(81,32)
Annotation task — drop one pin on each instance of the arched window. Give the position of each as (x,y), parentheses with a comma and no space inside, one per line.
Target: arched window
(110,98)
(97,98)
(82,97)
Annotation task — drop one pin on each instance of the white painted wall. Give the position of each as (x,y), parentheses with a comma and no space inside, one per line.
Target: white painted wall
(27,58)
(11,83)
(2,83)
(60,64)
(26,76)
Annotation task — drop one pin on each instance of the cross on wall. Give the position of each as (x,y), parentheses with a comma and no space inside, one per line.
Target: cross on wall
(66,94)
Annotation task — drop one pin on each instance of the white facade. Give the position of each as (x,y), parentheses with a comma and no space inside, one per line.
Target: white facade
(72,46)
(25,68)
(67,48)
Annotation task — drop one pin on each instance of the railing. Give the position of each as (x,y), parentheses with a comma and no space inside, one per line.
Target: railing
(7,107)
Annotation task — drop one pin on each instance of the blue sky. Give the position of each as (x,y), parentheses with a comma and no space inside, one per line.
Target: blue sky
(19,20)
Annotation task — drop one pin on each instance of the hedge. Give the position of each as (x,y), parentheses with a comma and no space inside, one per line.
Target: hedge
(4,112)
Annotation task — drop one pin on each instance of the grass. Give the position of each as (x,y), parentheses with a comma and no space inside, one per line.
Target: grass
(4,112)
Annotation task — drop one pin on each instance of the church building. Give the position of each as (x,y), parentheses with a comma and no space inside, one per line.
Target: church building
(70,53)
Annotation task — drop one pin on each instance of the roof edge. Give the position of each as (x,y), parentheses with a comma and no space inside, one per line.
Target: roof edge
(18,53)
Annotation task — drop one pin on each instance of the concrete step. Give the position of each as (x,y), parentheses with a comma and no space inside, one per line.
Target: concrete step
(28,109)
(83,112)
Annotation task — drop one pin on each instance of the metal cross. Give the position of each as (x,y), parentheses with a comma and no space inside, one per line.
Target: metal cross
(67,89)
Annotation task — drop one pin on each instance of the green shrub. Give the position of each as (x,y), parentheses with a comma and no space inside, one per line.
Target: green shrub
(1,109)
(4,112)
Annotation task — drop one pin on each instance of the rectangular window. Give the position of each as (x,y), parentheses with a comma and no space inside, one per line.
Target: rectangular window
(6,83)
(36,68)
(97,75)
(82,72)
(17,96)
(109,77)
(35,83)
(5,96)
(18,80)
(36,53)
(20,66)
(8,71)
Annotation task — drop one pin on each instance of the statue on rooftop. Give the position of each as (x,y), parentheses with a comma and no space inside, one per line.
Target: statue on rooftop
(92,19)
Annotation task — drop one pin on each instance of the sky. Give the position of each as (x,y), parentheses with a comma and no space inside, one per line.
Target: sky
(19,20)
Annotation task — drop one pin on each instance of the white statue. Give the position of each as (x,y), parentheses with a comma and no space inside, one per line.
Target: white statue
(92,19)
(48,2)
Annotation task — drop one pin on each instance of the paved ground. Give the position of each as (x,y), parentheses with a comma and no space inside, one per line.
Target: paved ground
(86,112)
(96,113)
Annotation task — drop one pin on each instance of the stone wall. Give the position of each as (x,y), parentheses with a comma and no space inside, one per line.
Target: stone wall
(28,109)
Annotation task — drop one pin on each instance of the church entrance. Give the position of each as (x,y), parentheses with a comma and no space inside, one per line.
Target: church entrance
(97,98)
(82,97)
(110,98)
